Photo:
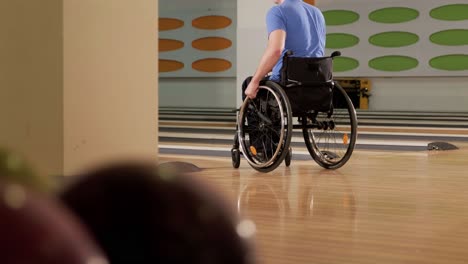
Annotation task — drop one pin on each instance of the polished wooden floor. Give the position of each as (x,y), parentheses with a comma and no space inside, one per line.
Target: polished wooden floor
(381,207)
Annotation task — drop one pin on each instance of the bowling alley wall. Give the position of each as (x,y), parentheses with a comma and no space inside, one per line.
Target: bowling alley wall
(197,53)
(414,52)
(398,37)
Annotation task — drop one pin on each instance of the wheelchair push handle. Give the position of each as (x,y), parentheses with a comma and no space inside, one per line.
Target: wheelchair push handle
(336,54)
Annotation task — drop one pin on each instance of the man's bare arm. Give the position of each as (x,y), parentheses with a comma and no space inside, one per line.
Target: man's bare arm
(272,54)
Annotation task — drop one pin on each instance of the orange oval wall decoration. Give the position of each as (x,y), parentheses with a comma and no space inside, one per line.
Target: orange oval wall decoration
(211,43)
(166,23)
(312,2)
(170,44)
(211,65)
(170,65)
(211,22)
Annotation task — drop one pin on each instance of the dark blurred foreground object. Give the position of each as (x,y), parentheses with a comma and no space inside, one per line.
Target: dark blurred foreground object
(139,213)
(15,169)
(38,230)
(178,167)
(441,146)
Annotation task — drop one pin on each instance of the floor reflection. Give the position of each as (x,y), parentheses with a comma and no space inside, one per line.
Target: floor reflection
(298,206)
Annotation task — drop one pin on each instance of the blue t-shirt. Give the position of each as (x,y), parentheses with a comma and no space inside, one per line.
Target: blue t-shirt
(305,30)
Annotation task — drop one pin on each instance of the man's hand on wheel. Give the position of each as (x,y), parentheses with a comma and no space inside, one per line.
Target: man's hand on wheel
(252,89)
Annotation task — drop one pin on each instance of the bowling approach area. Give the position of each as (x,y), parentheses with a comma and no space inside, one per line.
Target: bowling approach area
(381,207)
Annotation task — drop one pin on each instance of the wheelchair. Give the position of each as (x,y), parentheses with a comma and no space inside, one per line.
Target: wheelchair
(324,113)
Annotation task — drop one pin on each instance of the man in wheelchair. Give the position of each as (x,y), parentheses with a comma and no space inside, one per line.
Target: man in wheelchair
(294,26)
(300,85)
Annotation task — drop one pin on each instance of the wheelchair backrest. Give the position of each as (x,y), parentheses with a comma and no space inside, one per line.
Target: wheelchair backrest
(306,71)
(308,82)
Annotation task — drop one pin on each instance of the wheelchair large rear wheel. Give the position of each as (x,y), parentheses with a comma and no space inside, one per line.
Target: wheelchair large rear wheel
(265,127)
(330,137)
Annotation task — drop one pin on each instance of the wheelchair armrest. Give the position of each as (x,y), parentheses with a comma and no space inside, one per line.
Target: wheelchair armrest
(294,83)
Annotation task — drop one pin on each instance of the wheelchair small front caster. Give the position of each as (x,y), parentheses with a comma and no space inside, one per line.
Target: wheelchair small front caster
(288,157)
(236,142)
(235,154)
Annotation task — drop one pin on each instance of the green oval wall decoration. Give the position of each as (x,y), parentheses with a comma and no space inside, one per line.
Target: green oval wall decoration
(452,37)
(340,17)
(454,12)
(393,63)
(341,41)
(391,15)
(452,62)
(394,39)
(342,64)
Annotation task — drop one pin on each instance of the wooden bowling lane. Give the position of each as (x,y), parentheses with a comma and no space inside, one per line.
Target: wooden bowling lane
(381,207)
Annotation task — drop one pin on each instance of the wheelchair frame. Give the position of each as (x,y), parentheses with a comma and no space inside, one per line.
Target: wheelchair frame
(320,121)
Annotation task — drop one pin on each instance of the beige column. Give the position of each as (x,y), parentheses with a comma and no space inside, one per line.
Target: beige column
(31,90)
(110,81)
(78,81)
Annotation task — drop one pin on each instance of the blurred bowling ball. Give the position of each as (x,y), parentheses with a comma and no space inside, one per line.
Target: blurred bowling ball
(14,168)
(139,214)
(36,229)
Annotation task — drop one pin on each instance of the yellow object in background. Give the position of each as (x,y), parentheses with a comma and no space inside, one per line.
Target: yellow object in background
(14,169)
